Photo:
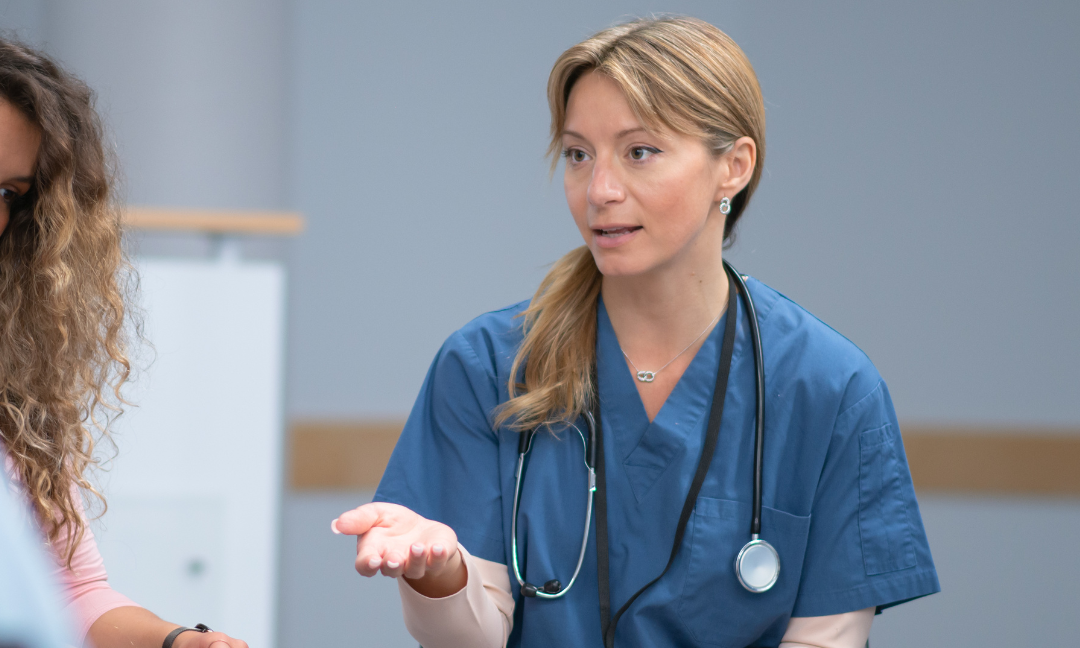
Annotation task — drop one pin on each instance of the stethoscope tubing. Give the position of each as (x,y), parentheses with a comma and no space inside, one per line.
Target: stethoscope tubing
(527,437)
(590,463)
(759,419)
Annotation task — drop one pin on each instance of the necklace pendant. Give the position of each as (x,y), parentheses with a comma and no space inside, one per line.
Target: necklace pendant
(646,376)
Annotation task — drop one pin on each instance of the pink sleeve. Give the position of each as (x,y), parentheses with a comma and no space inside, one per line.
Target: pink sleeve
(84,586)
(481,615)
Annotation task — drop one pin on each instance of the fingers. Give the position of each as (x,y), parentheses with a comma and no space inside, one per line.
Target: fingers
(391,563)
(368,562)
(415,561)
(418,561)
(359,520)
(394,563)
(394,541)
(219,640)
(440,554)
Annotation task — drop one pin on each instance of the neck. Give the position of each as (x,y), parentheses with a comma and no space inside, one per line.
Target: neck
(656,314)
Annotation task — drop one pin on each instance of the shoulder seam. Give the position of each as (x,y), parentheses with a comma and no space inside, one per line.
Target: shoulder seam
(506,308)
(875,389)
(816,319)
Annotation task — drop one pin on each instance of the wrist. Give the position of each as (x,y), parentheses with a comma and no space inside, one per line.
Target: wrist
(184,637)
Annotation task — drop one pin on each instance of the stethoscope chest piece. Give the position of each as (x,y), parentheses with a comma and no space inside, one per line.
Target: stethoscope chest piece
(757,566)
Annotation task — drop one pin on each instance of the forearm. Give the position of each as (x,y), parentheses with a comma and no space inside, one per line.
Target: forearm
(129,627)
(479,615)
(449,581)
(847,630)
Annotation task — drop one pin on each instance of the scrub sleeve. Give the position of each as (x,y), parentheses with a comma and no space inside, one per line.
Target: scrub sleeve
(866,544)
(446,463)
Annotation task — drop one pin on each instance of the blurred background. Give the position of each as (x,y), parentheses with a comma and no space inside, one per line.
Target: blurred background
(919,195)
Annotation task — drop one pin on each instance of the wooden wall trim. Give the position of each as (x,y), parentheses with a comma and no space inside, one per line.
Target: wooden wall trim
(352,455)
(994,461)
(340,455)
(214,221)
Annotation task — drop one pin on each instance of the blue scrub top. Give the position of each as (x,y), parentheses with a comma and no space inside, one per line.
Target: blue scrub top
(838,503)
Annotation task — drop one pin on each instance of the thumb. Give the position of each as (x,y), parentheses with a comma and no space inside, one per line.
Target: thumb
(359,520)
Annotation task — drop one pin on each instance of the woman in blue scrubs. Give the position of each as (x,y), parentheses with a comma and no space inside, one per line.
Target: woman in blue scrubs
(661,125)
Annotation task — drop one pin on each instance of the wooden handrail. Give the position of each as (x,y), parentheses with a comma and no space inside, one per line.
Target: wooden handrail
(211,221)
(343,455)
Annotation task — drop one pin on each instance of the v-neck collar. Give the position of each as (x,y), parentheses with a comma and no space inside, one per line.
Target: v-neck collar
(645,450)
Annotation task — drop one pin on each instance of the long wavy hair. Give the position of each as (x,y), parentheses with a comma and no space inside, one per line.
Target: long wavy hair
(678,73)
(63,285)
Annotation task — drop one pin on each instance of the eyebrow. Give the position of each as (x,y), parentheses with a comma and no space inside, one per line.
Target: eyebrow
(26,179)
(621,134)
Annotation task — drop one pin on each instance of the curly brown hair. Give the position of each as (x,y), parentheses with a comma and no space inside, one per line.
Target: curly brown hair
(64,283)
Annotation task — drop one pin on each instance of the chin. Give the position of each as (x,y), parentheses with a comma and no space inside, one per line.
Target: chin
(619,265)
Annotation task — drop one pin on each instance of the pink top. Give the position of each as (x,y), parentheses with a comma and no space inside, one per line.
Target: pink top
(481,615)
(84,586)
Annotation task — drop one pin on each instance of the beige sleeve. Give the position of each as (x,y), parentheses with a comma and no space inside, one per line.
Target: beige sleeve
(481,615)
(848,630)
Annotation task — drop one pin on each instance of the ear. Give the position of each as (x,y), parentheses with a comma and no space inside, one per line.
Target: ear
(737,167)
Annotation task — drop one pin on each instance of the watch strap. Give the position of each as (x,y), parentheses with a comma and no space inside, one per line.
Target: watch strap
(171,637)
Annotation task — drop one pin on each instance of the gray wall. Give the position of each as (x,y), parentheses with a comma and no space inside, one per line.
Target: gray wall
(916,191)
(918,195)
(194,93)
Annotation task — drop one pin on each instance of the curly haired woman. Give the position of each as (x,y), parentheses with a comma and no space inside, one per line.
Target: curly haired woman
(62,334)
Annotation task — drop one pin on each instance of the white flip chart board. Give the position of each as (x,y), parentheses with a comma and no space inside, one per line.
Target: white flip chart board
(194,492)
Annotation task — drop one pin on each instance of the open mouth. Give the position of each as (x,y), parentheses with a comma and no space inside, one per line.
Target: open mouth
(614,232)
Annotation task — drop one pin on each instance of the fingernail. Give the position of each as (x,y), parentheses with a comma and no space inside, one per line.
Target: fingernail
(374,562)
(333,526)
(418,549)
(391,564)
(437,550)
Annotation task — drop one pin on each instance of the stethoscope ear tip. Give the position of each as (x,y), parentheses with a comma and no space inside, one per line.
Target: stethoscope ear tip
(550,588)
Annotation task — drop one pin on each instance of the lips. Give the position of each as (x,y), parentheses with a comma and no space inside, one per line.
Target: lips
(613,232)
(615,235)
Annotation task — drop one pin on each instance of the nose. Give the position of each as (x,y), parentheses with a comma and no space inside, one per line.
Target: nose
(605,186)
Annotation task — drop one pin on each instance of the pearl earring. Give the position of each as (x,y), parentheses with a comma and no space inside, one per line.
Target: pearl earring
(725,205)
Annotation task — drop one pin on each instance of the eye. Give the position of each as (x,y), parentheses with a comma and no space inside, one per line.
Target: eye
(8,195)
(575,155)
(642,152)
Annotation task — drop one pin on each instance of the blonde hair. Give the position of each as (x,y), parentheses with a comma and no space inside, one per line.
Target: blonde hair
(677,73)
(62,296)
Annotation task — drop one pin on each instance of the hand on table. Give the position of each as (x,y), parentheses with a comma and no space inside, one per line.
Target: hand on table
(396,541)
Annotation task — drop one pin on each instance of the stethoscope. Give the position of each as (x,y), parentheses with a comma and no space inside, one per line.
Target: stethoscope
(757,565)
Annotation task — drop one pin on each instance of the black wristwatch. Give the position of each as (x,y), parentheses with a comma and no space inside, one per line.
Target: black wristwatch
(199,627)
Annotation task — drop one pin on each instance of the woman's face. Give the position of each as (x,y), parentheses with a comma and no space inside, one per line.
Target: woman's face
(19,143)
(643,199)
